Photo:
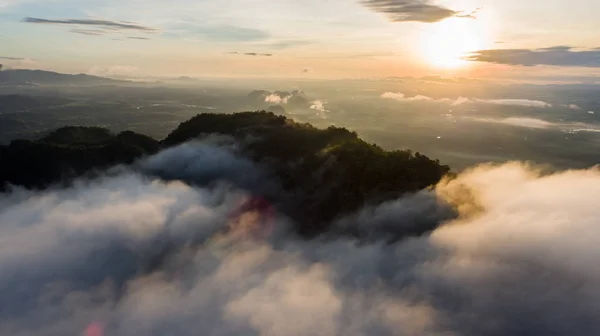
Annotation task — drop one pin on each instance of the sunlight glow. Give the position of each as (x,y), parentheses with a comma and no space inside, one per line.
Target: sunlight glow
(444,44)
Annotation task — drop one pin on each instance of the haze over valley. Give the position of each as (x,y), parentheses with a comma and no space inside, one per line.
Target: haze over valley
(460,121)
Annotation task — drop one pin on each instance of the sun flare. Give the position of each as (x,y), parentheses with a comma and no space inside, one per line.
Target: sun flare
(446,43)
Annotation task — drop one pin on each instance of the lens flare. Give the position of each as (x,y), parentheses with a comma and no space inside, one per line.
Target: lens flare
(94,329)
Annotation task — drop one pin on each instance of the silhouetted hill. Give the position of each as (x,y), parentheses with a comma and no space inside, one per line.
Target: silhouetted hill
(298,102)
(75,135)
(258,95)
(52,78)
(322,173)
(277,109)
(69,152)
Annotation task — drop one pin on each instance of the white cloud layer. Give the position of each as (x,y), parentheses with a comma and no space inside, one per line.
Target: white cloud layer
(136,256)
(520,122)
(463,100)
(402,97)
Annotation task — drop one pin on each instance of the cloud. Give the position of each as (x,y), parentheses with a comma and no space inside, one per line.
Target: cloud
(89,32)
(7,58)
(507,102)
(574,107)
(414,10)
(16,62)
(284,44)
(554,56)
(218,33)
(137,38)
(257,54)
(112,70)
(213,159)
(319,106)
(463,100)
(249,54)
(398,218)
(511,252)
(92,22)
(293,100)
(401,97)
(276,98)
(520,122)
(535,123)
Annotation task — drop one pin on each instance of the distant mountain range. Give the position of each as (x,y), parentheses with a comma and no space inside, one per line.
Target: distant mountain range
(41,77)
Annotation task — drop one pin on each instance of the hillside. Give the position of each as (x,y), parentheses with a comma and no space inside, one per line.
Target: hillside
(67,153)
(324,173)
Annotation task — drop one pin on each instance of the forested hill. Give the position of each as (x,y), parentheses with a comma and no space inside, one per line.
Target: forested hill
(333,170)
(329,171)
(67,153)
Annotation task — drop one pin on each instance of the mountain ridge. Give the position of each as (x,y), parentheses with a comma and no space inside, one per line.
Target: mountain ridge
(27,76)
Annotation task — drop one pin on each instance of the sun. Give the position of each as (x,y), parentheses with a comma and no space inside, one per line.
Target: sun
(446,43)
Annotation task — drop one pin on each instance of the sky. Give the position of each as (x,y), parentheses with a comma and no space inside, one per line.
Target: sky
(311,38)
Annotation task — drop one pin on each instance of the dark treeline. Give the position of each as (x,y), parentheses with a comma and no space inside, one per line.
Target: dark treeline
(330,172)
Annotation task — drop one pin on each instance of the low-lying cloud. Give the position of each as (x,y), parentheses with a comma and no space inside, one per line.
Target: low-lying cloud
(519,122)
(463,100)
(203,163)
(414,10)
(536,123)
(511,252)
(555,56)
(508,102)
(276,98)
(403,98)
(319,107)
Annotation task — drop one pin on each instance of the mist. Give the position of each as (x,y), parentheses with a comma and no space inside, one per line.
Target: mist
(511,251)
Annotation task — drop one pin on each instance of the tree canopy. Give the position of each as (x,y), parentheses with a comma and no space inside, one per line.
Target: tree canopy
(330,172)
